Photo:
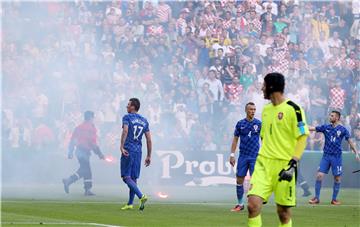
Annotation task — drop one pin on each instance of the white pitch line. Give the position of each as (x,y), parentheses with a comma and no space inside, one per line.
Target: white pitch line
(59,223)
(165,203)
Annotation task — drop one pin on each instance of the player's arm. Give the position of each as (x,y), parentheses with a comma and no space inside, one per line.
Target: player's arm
(149,148)
(353,149)
(300,147)
(301,132)
(233,150)
(320,128)
(299,150)
(124,134)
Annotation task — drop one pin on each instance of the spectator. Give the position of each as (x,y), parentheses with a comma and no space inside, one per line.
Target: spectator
(335,41)
(233,91)
(20,135)
(337,96)
(271,5)
(320,25)
(206,100)
(247,77)
(215,86)
(209,144)
(91,55)
(263,45)
(318,102)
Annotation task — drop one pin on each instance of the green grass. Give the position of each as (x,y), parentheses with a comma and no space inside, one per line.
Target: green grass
(106,211)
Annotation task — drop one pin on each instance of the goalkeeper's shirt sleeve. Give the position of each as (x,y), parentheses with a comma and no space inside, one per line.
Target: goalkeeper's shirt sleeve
(300,146)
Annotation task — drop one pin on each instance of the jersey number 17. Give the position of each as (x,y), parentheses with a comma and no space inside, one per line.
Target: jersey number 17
(137,131)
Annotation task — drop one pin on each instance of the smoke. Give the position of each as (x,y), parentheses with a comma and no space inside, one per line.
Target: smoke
(60,59)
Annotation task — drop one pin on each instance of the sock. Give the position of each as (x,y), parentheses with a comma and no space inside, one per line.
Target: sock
(317,189)
(289,224)
(255,222)
(336,189)
(240,193)
(131,195)
(132,186)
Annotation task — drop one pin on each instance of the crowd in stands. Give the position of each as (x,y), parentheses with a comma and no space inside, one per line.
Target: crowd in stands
(193,65)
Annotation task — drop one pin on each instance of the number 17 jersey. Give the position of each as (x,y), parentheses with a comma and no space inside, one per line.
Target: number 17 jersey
(137,126)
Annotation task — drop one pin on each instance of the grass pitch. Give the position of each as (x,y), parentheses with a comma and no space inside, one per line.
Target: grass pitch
(105,211)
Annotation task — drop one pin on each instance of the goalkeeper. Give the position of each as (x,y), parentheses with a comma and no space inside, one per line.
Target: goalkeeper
(283,133)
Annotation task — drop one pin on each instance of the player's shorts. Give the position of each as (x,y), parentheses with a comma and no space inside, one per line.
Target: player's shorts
(333,161)
(130,165)
(244,164)
(265,181)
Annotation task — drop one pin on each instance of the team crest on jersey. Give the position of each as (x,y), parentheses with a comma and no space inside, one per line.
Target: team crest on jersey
(280,115)
(256,128)
(338,132)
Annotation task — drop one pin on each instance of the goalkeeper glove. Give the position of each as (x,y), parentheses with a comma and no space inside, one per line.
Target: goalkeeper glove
(288,174)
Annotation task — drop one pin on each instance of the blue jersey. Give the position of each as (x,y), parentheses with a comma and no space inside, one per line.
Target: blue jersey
(333,138)
(249,133)
(137,125)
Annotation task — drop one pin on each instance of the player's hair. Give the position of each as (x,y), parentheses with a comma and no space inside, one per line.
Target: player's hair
(249,104)
(275,82)
(135,102)
(337,113)
(88,115)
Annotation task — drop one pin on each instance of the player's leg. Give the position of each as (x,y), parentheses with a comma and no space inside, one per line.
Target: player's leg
(318,182)
(131,191)
(336,189)
(284,213)
(260,190)
(323,169)
(129,205)
(87,176)
(336,168)
(135,174)
(125,171)
(127,163)
(239,194)
(243,167)
(241,170)
(285,197)
(254,209)
(131,194)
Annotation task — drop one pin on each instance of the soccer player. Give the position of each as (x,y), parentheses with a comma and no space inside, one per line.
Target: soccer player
(334,134)
(84,139)
(134,127)
(248,129)
(283,133)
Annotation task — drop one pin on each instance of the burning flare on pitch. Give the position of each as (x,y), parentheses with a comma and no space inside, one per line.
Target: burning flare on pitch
(162,195)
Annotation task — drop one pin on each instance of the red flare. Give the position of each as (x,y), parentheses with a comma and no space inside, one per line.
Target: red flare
(162,195)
